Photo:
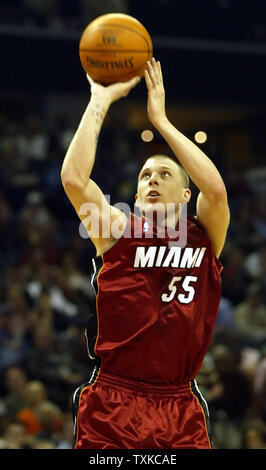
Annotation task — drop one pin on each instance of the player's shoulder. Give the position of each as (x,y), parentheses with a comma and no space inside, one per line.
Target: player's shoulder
(193,222)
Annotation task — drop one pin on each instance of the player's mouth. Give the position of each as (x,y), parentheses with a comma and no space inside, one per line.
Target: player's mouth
(153,194)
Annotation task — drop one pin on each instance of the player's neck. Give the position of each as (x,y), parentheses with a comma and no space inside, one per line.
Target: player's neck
(161,219)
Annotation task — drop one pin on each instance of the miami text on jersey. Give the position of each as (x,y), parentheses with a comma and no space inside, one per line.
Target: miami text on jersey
(162,256)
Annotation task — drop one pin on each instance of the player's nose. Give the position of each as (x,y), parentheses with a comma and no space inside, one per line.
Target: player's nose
(153,180)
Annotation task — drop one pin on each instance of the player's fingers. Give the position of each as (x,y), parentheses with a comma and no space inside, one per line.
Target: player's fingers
(148,80)
(134,81)
(160,73)
(130,84)
(127,86)
(155,66)
(152,73)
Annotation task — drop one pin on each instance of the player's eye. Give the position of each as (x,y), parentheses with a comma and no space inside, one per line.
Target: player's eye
(145,175)
(166,173)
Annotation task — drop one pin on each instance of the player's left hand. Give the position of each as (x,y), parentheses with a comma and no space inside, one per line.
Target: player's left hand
(156,94)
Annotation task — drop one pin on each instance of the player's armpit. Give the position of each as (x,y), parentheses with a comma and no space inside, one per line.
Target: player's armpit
(103,222)
(214,215)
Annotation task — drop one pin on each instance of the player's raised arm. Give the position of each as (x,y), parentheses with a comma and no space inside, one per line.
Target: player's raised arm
(212,206)
(80,157)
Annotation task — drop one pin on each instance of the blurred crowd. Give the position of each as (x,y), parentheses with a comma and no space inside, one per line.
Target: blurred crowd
(46,296)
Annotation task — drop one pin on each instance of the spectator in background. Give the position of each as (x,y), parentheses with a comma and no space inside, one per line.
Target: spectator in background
(51,295)
(43,444)
(250,316)
(14,400)
(254,435)
(59,297)
(66,440)
(51,363)
(34,393)
(77,287)
(41,314)
(50,418)
(225,323)
(13,336)
(75,279)
(61,135)
(15,437)
(38,230)
(14,178)
(33,142)
(255,262)
(232,399)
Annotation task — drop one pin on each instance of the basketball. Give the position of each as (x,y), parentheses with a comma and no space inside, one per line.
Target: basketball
(115,48)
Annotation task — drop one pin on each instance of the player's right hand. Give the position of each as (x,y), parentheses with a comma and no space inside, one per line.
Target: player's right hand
(156,94)
(112,92)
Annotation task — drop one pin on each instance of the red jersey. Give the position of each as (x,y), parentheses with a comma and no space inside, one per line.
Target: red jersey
(156,304)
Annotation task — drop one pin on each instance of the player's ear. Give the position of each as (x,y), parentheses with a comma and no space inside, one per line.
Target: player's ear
(186,195)
(136,200)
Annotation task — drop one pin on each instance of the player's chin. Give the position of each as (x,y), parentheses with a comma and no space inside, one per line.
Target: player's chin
(154,206)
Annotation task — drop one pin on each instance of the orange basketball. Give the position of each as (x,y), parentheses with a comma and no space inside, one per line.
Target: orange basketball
(114,48)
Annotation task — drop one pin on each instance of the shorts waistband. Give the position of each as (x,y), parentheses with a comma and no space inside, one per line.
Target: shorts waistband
(139,387)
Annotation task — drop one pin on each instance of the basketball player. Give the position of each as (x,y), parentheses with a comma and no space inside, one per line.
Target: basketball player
(156,301)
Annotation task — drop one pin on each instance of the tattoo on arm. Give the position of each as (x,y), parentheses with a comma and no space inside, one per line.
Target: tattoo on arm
(98,112)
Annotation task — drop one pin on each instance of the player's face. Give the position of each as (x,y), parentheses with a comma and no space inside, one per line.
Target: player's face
(160,182)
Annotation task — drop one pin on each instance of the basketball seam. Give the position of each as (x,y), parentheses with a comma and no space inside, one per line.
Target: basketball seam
(126,27)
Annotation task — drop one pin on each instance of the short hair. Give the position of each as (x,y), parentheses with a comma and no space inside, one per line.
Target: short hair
(183,173)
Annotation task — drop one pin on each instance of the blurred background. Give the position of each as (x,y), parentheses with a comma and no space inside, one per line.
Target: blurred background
(213,57)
